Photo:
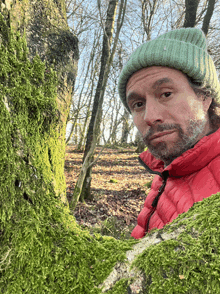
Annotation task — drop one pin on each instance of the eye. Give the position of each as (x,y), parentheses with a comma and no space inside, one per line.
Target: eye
(166,94)
(137,106)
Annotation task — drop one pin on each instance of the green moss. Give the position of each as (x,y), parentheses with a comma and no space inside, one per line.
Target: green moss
(120,287)
(148,184)
(55,258)
(42,249)
(113,181)
(189,264)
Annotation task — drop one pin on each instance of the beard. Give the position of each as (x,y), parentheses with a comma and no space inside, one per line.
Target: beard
(184,141)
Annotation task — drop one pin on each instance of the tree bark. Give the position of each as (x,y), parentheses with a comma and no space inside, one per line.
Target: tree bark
(38,68)
(47,34)
(190,14)
(140,143)
(125,127)
(208,16)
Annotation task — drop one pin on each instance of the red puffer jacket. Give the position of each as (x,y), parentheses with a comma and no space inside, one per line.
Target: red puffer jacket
(188,179)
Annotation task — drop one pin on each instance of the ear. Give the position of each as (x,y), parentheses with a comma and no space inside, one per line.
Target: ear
(207,100)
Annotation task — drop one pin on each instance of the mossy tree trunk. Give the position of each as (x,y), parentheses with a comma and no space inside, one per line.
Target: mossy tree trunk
(47,34)
(42,249)
(183,257)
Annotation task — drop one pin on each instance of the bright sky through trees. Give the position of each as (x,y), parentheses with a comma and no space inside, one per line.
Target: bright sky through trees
(87,23)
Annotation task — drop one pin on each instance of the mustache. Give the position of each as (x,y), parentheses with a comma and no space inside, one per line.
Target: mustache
(160,128)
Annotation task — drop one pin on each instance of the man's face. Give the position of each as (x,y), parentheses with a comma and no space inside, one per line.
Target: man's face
(167,112)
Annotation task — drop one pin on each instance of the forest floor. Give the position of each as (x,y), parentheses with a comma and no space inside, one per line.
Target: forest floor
(119,187)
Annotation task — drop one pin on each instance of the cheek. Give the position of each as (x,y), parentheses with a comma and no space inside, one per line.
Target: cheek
(180,114)
(139,122)
(186,111)
(137,119)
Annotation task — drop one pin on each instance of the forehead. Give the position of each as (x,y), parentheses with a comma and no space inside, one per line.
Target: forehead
(154,76)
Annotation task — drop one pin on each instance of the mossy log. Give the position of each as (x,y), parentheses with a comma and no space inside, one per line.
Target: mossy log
(183,257)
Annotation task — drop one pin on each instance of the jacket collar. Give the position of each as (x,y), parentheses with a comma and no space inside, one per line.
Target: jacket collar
(194,159)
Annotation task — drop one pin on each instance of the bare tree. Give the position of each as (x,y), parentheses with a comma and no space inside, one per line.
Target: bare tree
(190,13)
(84,179)
(87,88)
(125,127)
(148,12)
(207,18)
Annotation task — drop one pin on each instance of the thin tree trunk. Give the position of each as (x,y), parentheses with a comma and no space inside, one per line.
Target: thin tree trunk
(88,111)
(148,12)
(85,194)
(84,178)
(80,146)
(190,14)
(140,143)
(107,40)
(208,15)
(125,127)
(78,107)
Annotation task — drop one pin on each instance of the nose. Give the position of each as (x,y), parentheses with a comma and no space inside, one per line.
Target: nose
(153,113)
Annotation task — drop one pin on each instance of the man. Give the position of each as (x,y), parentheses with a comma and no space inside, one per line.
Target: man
(171,88)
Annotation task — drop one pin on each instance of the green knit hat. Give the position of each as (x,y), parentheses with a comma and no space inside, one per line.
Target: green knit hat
(184,49)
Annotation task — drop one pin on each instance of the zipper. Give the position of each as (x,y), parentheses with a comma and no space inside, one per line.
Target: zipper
(165,176)
(148,222)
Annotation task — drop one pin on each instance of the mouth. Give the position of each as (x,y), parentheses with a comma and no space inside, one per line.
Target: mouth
(158,135)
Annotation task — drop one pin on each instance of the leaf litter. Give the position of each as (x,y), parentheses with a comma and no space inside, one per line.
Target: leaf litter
(119,188)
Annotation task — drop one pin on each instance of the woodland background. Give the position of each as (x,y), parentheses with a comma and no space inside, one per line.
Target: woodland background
(108,32)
